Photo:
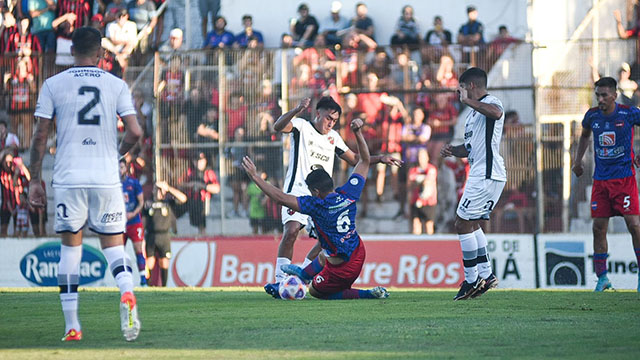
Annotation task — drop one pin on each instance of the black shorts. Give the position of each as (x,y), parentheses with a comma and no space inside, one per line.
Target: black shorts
(425,213)
(160,245)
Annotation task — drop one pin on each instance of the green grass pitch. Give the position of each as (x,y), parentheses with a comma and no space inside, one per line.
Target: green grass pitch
(248,324)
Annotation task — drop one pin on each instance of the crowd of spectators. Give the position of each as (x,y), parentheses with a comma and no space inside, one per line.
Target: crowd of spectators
(405,92)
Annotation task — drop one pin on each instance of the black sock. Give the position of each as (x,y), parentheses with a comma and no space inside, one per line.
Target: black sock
(164,274)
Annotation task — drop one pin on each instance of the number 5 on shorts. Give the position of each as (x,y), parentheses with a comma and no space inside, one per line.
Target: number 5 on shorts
(626,202)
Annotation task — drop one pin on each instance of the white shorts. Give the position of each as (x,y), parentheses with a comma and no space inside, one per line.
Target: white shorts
(290,215)
(479,198)
(102,208)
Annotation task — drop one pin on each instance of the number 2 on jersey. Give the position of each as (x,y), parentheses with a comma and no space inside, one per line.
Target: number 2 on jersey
(343,222)
(95,120)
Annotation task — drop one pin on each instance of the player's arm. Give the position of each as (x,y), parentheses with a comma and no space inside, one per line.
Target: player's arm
(138,209)
(491,111)
(583,144)
(283,124)
(132,133)
(352,159)
(459,151)
(37,196)
(271,191)
(362,167)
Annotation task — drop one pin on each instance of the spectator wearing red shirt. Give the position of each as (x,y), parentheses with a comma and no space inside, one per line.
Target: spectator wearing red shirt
(172,97)
(236,114)
(199,184)
(23,44)
(423,194)
(442,120)
(392,145)
(21,88)
(14,178)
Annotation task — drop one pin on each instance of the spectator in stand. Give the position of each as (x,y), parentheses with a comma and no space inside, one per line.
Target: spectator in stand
(21,89)
(22,217)
(500,44)
(362,24)
(22,42)
(236,116)
(112,10)
(626,86)
(352,44)
(193,113)
(438,36)
(97,22)
(423,192)
(172,17)
(622,32)
(8,27)
(143,13)
(242,39)
(237,178)
(443,117)
(407,31)
(171,93)
(381,66)
(143,112)
(64,25)
(199,184)
(305,28)
(415,136)
(392,145)
(121,38)
(470,35)
(446,77)
(257,202)
(171,46)
(287,51)
(218,37)
(14,177)
(208,129)
(334,26)
(8,141)
(208,7)
(42,13)
(437,40)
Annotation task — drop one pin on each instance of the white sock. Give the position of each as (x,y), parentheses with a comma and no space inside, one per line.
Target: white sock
(280,275)
(484,263)
(306,262)
(68,280)
(469,247)
(120,267)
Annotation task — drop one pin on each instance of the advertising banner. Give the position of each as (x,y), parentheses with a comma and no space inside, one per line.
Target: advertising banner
(566,261)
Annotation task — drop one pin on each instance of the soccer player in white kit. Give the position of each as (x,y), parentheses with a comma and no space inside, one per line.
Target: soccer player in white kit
(313,144)
(85,102)
(487,177)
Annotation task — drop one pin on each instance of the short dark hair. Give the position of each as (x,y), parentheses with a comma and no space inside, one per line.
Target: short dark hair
(122,161)
(247,17)
(319,180)
(474,75)
(502,27)
(437,17)
(221,17)
(86,41)
(327,102)
(607,81)
(4,122)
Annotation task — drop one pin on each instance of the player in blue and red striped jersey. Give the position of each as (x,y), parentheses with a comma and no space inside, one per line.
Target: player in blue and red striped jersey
(334,216)
(133,202)
(614,191)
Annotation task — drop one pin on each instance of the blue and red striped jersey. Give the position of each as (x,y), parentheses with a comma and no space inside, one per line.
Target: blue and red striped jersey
(335,217)
(131,189)
(612,141)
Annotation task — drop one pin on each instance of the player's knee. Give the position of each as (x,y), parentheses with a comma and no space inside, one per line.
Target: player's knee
(462,226)
(290,236)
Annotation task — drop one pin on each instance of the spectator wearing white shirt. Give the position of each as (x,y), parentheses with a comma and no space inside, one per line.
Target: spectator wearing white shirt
(120,37)
(334,25)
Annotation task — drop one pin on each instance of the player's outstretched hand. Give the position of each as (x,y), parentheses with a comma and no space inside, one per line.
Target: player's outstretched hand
(249,167)
(37,196)
(577,168)
(304,103)
(356,124)
(445,151)
(391,161)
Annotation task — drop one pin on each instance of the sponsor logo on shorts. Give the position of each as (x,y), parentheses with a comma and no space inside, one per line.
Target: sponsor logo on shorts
(354,181)
(290,212)
(111,217)
(88,142)
(319,279)
(594,205)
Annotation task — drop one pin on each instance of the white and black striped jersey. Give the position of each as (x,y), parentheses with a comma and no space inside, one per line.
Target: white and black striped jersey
(482,140)
(310,148)
(85,101)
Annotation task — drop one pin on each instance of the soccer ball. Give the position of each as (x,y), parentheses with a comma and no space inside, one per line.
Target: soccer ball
(292,288)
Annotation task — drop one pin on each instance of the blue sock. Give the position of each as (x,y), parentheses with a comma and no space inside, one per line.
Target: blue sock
(600,264)
(351,294)
(312,269)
